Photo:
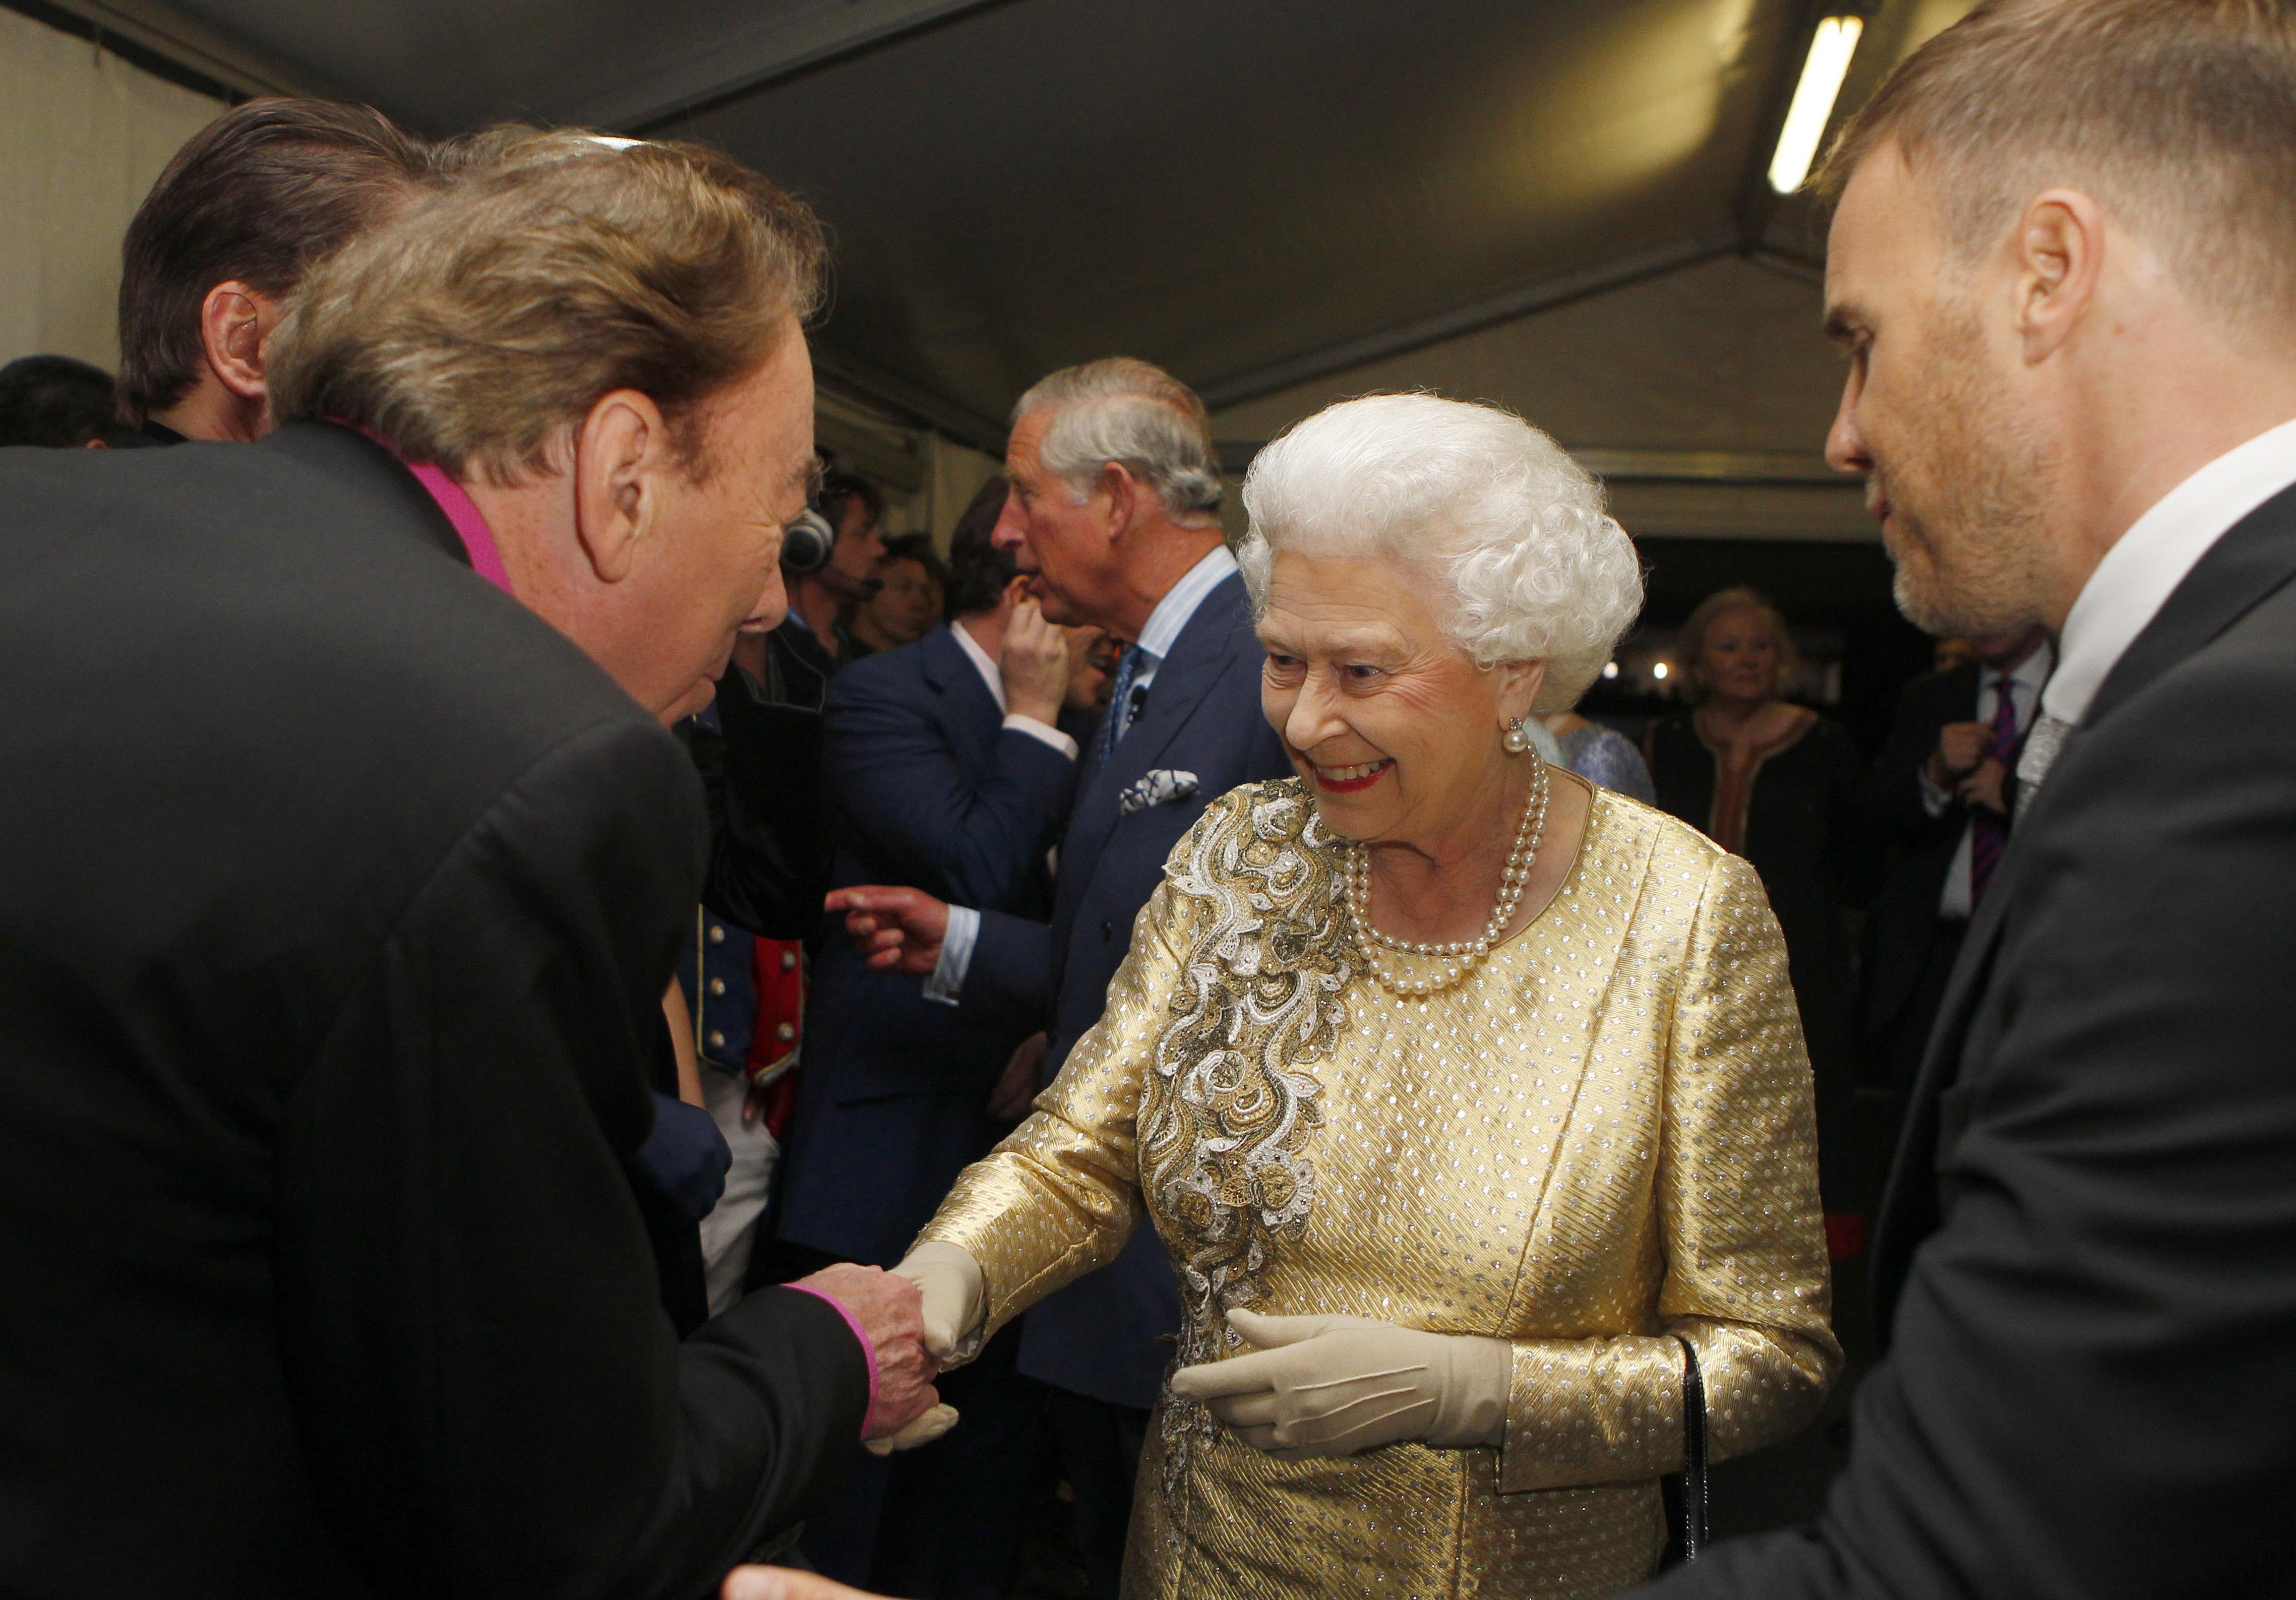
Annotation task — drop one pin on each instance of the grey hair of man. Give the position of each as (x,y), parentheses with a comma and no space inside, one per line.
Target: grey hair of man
(1137,415)
(1493,514)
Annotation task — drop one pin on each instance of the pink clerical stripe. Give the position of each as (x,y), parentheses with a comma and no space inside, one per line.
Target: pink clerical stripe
(470,522)
(477,539)
(868,1350)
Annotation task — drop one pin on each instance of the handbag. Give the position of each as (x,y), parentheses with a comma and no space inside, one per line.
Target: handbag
(1689,1534)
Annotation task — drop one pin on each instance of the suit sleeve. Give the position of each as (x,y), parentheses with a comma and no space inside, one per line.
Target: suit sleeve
(2089,1384)
(491,1399)
(1892,793)
(770,858)
(1744,1246)
(901,792)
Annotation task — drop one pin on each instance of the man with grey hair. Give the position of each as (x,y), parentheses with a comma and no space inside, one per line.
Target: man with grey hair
(2063,266)
(1114,515)
(343,860)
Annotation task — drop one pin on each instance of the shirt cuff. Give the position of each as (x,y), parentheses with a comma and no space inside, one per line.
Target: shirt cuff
(945,987)
(1051,735)
(868,1350)
(1934,800)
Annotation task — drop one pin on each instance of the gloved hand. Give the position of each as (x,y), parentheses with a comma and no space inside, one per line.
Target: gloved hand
(1336,1385)
(956,1300)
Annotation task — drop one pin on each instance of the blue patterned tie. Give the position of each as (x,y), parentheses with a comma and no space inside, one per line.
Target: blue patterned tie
(1119,704)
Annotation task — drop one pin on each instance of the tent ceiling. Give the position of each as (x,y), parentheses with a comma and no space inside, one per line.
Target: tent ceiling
(1256,193)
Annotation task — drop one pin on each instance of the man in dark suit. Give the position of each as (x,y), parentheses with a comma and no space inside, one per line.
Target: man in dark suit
(945,770)
(2063,262)
(342,863)
(1114,512)
(1943,793)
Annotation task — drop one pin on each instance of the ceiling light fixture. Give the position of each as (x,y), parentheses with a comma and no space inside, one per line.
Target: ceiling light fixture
(1813,101)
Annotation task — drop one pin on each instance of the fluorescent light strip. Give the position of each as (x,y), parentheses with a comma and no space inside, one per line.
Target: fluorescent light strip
(1813,101)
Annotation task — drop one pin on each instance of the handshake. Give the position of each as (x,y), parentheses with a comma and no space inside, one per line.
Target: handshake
(918,1319)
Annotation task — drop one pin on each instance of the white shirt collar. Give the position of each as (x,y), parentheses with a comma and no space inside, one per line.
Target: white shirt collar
(2031,673)
(1170,617)
(990,674)
(2158,552)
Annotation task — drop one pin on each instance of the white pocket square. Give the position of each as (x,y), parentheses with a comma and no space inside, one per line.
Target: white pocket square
(1158,788)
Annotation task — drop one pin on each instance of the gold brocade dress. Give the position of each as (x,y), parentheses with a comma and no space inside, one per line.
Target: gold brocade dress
(1603,1138)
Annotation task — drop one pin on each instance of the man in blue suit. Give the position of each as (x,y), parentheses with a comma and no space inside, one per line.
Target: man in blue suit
(942,767)
(1114,512)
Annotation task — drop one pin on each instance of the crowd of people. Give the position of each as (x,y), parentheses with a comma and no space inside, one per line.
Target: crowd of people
(583,1019)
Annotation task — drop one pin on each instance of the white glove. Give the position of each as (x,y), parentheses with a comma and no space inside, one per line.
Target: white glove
(1337,1385)
(956,1297)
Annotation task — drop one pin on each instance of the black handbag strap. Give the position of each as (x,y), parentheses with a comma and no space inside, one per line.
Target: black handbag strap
(1694,1454)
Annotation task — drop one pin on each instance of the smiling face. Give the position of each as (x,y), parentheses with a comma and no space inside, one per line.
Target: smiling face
(1953,470)
(1393,726)
(1739,658)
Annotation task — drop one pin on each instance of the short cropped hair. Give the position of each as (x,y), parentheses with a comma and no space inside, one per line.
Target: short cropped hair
(477,330)
(979,572)
(2178,114)
(54,401)
(1491,511)
(1136,415)
(916,547)
(1689,644)
(263,194)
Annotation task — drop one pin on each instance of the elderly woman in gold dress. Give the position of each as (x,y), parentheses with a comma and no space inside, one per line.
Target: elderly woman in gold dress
(1459,1089)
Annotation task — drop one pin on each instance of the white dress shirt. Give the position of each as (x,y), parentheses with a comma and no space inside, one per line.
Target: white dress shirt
(2158,552)
(2024,682)
(1157,634)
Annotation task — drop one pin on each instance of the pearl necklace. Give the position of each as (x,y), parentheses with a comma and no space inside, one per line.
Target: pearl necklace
(1461,957)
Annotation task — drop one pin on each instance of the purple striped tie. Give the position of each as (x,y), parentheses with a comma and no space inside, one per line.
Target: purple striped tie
(1989,833)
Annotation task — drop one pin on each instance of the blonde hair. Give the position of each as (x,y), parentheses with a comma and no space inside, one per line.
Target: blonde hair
(2178,114)
(1689,644)
(477,330)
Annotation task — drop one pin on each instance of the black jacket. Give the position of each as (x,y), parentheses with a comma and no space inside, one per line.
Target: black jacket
(1906,910)
(337,896)
(2086,1264)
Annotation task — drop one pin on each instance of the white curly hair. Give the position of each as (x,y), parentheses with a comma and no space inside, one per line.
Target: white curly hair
(1471,497)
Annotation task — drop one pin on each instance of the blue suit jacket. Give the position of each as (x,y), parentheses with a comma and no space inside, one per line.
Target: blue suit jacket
(924,785)
(1106,1335)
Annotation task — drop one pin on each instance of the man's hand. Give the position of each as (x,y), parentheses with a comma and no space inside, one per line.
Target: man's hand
(898,930)
(779,1583)
(1016,1086)
(1982,787)
(890,1310)
(1035,665)
(1960,747)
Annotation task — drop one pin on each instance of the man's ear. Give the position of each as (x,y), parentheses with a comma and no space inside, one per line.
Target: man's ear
(235,323)
(1123,492)
(2059,258)
(620,451)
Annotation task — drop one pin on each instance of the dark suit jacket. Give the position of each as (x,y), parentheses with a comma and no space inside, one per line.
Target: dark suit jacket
(1906,910)
(2086,1264)
(337,892)
(928,788)
(1105,1336)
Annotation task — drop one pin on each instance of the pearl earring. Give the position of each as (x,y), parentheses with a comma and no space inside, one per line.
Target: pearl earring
(1516,740)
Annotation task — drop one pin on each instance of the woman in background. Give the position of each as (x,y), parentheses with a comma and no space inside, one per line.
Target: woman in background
(1777,783)
(1601,755)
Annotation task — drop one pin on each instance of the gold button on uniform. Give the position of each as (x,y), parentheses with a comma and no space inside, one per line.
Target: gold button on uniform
(716,934)
(716,1039)
(789,959)
(716,986)
(785,1033)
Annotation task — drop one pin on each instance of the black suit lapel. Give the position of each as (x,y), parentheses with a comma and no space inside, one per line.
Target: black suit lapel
(2256,557)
